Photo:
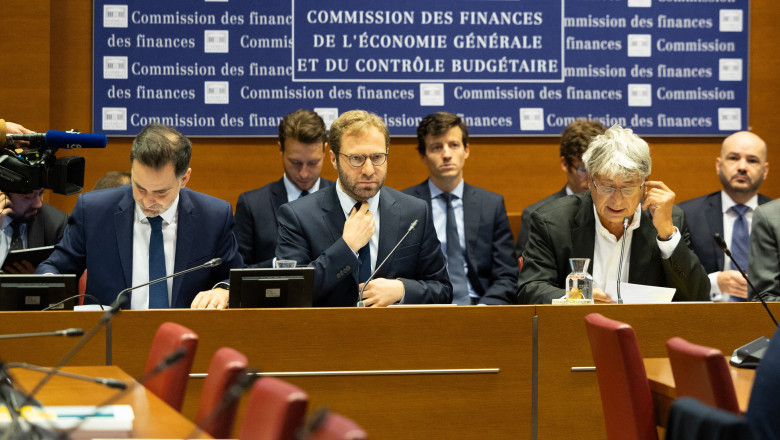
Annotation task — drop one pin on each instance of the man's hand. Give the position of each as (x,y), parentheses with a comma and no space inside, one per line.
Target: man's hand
(20,267)
(731,282)
(14,128)
(600,297)
(211,299)
(6,206)
(659,199)
(358,228)
(382,292)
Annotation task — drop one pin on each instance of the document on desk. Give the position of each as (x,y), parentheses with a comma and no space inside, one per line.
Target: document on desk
(640,293)
(115,421)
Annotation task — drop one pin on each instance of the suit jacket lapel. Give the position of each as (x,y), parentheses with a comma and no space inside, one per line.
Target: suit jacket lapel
(124,218)
(35,233)
(472,210)
(279,196)
(582,234)
(331,213)
(644,250)
(713,212)
(389,227)
(186,227)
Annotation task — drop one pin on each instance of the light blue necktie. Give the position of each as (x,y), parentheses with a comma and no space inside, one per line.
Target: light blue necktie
(158,292)
(740,240)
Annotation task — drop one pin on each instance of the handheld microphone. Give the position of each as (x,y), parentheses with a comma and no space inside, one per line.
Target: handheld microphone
(620,261)
(62,139)
(750,354)
(111,383)
(360,294)
(121,297)
(67,332)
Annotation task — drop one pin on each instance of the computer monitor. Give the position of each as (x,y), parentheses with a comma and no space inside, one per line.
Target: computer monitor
(271,288)
(36,292)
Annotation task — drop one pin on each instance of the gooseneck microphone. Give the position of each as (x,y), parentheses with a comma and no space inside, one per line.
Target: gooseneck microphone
(111,383)
(62,139)
(620,261)
(360,294)
(750,354)
(67,332)
(120,297)
(724,247)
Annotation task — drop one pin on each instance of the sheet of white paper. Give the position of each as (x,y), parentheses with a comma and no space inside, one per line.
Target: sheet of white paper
(97,307)
(640,294)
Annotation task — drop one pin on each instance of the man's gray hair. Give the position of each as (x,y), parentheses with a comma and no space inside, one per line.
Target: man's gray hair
(618,153)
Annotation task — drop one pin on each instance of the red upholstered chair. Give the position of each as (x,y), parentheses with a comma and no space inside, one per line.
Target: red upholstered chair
(82,286)
(338,427)
(519,264)
(702,373)
(625,391)
(171,384)
(225,369)
(275,411)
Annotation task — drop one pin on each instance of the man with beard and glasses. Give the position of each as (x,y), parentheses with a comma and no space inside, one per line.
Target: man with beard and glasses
(346,230)
(129,235)
(741,167)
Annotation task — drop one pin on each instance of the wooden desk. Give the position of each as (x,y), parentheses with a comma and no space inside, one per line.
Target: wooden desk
(659,373)
(153,417)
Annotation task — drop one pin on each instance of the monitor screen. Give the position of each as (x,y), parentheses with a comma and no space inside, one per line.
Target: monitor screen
(271,288)
(36,292)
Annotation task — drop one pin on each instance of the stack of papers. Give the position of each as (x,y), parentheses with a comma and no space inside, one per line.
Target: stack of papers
(114,421)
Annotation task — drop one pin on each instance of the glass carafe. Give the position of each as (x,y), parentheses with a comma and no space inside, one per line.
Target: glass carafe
(579,283)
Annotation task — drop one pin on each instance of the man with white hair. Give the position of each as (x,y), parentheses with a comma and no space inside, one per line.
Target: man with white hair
(591,225)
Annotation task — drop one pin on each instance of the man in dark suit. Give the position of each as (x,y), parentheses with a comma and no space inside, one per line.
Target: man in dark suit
(574,141)
(591,225)
(741,167)
(765,252)
(487,267)
(302,140)
(27,222)
(129,235)
(347,231)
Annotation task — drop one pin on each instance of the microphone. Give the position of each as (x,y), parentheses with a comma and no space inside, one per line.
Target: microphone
(360,294)
(750,354)
(67,332)
(111,383)
(121,297)
(62,139)
(81,295)
(620,261)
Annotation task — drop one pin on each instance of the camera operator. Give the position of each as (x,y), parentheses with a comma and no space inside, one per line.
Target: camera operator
(25,221)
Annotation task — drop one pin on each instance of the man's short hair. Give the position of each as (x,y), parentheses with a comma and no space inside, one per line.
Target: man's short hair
(304,126)
(355,122)
(158,145)
(618,152)
(437,124)
(112,179)
(577,136)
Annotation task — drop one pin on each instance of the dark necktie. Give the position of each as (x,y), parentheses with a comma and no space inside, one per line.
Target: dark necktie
(16,236)
(365,256)
(158,292)
(460,288)
(740,241)
(304,193)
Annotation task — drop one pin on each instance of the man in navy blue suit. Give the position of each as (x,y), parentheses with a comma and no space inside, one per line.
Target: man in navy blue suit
(302,140)
(347,230)
(487,267)
(741,167)
(154,227)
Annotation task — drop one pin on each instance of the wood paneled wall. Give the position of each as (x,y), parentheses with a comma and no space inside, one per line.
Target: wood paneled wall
(47,77)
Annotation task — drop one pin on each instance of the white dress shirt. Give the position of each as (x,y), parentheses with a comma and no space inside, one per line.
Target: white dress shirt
(729,217)
(142,232)
(348,203)
(293,192)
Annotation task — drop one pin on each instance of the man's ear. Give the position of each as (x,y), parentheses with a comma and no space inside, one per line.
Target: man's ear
(186,177)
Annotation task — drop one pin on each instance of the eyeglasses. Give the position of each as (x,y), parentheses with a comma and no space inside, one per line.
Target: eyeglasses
(357,160)
(609,190)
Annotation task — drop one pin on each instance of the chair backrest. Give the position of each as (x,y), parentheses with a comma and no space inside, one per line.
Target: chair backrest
(275,410)
(690,419)
(625,391)
(702,372)
(225,369)
(337,427)
(519,264)
(171,384)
